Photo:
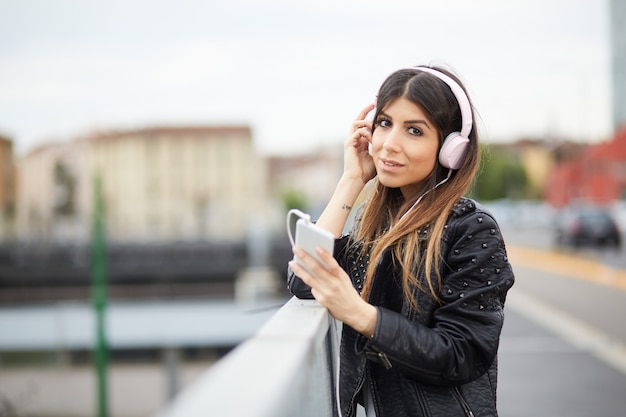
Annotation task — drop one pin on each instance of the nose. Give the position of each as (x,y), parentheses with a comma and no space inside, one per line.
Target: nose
(391,142)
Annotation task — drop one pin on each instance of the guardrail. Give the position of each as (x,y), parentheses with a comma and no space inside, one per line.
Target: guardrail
(286,369)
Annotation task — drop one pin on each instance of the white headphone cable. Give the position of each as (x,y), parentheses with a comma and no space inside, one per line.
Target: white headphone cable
(300,214)
(338,366)
(423,195)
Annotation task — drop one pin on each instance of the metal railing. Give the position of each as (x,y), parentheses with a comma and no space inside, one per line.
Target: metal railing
(286,369)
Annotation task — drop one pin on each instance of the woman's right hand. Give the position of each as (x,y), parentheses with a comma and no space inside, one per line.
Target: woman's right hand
(358,169)
(358,163)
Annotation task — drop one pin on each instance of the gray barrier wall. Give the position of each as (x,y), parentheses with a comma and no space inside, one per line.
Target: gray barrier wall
(286,369)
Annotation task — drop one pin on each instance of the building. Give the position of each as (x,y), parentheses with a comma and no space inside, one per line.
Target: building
(313,177)
(39,198)
(618,53)
(160,185)
(596,175)
(7,189)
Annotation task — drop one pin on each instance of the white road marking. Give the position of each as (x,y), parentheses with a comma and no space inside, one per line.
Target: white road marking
(577,332)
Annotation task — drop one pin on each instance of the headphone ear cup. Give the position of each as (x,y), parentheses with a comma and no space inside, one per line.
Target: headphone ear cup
(453,151)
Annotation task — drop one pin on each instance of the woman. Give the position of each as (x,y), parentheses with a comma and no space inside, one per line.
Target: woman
(421,280)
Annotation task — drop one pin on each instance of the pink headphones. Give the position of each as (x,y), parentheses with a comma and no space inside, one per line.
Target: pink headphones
(454,146)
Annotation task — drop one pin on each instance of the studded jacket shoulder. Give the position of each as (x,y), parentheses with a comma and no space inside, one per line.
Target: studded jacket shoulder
(440,360)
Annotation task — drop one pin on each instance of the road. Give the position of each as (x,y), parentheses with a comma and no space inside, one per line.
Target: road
(563,346)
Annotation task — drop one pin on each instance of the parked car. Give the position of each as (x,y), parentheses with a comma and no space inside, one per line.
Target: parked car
(587,226)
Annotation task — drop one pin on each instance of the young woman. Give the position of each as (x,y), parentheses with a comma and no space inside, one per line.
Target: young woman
(421,280)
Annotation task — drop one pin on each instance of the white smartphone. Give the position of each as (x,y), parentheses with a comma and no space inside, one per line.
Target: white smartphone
(309,237)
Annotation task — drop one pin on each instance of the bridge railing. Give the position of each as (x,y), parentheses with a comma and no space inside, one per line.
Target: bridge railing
(286,369)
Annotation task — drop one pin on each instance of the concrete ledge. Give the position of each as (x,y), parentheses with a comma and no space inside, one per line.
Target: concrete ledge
(285,369)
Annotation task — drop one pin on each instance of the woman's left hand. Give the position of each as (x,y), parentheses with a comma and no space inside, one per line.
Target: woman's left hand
(332,288)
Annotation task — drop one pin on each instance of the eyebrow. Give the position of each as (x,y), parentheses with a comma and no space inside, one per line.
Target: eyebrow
(409,122)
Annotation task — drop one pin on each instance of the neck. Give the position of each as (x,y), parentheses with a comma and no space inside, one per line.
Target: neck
(424,194)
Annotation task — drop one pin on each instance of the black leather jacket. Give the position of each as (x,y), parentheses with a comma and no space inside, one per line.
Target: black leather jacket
(439,361)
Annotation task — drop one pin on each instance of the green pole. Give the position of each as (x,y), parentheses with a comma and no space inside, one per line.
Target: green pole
(99,297)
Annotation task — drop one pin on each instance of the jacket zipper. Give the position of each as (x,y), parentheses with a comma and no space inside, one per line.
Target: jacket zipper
(457,393)
(455,390)
(353,400)
(421,400)
(387,362)
(383,357)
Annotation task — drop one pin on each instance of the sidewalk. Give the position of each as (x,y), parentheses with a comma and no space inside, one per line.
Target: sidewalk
(552,364)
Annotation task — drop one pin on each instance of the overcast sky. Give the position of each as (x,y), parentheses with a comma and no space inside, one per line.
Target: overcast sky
(296,71)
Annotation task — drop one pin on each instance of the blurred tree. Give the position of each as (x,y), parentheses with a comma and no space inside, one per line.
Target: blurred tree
(294,199)
(64,190)
(501,176)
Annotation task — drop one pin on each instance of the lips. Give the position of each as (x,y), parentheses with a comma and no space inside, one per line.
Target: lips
(389,164)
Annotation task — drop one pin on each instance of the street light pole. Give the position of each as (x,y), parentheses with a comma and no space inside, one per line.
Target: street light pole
(99,297)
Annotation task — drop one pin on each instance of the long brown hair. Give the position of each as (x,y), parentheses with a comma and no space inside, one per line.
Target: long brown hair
(415,238)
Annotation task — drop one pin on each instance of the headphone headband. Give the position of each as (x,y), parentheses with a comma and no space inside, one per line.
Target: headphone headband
(461,98)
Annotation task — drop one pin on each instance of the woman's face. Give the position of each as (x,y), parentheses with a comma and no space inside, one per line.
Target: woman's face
(405,145)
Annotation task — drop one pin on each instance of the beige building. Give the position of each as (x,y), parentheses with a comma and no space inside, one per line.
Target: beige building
(312,176)
(40,196)
(7,189)
(537,160)
(160,185)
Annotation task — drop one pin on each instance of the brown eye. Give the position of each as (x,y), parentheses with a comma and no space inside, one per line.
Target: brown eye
(383,123)
(415,131)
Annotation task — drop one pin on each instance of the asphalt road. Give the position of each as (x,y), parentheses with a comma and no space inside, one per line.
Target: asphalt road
(563,346)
